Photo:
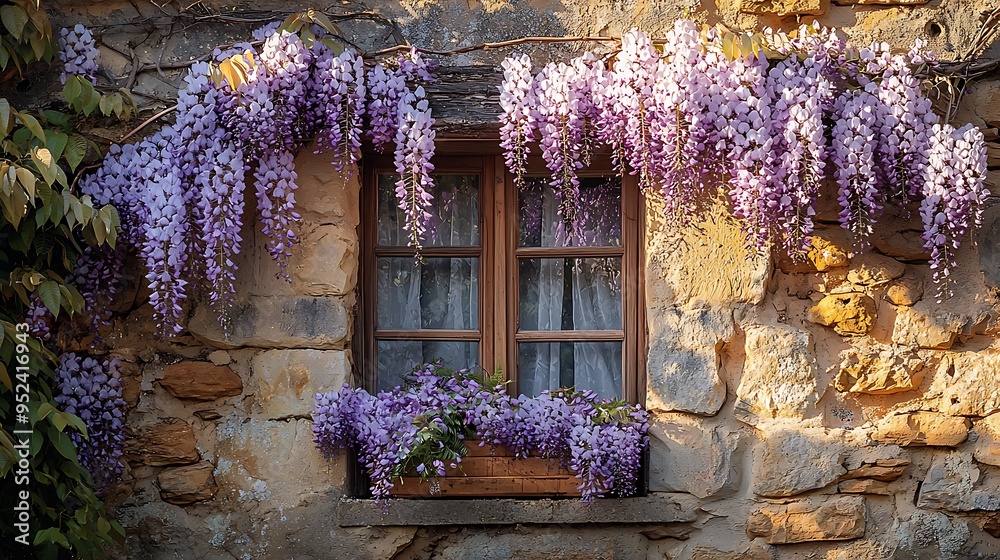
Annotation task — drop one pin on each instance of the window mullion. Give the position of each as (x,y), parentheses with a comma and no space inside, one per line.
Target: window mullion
(631,242)
(487,264)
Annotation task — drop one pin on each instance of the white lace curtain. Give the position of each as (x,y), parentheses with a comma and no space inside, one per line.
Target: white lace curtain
(569,294)
(439,293)
(442,293)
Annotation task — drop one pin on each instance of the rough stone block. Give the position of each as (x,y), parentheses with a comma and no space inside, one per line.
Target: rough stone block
(987,447)
(278,322)
(906,245)
(953,483)
(879,371)
(794,460)
(831,519)
(863,486)
(655,508)
(847,313)
(187,485)
(220,358)
(926,326)
(323,194)
(757,550)
(170,442)
(883,470)
(871,269)
(779,374)
(326,263)
(782,7)
(969,383)
(829,251)
(273,462)
(710,267)
(683,362)
(905,290)
(200,381)
(932,535)
(880,2)
(688,457)
(284,381)
(922,428)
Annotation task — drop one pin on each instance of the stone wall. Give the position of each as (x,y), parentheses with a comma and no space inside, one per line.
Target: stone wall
(829,409)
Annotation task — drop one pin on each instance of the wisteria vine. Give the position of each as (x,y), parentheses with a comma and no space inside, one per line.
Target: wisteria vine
(243,118)
(769,118)
(422,426)
(78,53)
(92,390)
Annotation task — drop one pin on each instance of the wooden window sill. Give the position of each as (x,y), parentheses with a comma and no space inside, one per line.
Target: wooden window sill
(654,508)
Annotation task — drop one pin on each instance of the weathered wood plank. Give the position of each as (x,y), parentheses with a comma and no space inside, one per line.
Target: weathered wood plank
(465,101)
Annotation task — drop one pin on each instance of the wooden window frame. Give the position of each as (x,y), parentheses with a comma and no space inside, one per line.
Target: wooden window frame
(498,253)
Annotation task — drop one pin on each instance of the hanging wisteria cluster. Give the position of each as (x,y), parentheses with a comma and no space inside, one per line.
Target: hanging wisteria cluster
(92,390)
(768,119)
(181,191)
(421,426)
(78,53)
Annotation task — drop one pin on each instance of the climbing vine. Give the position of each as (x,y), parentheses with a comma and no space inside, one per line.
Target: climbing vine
(769,118)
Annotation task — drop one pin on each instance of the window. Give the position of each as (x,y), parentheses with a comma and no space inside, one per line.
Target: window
(503,280)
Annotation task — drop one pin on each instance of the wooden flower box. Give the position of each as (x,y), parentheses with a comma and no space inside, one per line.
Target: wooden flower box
(495,473)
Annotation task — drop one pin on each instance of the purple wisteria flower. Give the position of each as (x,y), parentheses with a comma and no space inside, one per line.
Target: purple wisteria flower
(422,424)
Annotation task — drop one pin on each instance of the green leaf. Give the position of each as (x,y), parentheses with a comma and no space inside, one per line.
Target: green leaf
(100,231)
(4,57)
(117,105)
(76,422)
(31,124)
(38,45)
(75,151)
(14,19)
(5,377)
(44,193)
(63,444)
(43,242)
(336,46)
(4,117)
(50,295)
(45,409)
(57,118)
(51,535)
(72,89)
(95,100)
(105,105)
(45,162)
(320,19)
(59,421)
(307,37)
(27,180)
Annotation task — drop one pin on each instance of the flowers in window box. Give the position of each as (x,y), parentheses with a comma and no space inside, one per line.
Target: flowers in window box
(423,427)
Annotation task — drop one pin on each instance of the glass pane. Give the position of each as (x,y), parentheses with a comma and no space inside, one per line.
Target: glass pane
(546,366)
(454,220)
(396,358)
(570,294)
(598,219)
(437,293)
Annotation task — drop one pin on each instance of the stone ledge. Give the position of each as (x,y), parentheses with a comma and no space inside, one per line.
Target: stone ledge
(650,509)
